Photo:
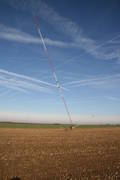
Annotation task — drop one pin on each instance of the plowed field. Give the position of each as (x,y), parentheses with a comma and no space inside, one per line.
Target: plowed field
(40,154)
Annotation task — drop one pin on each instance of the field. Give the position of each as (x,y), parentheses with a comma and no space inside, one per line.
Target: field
(59,153)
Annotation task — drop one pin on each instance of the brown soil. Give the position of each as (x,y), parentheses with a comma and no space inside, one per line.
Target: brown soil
(34,154)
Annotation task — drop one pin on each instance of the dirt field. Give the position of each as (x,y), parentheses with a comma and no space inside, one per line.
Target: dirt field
(40,154)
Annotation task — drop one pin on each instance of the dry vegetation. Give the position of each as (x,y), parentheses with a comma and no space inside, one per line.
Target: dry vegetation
(35,154)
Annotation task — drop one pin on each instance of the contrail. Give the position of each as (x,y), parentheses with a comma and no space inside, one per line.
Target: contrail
(25,77)
(53,71)
(92,50)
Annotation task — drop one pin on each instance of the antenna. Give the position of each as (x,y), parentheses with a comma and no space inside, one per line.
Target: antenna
(53,71)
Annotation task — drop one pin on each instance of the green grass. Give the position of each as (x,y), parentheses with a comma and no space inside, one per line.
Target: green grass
(30,125)
(98,125)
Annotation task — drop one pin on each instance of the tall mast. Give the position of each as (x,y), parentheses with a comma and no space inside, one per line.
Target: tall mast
(53,71)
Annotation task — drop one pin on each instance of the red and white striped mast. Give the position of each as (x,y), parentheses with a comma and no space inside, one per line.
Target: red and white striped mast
(53,71)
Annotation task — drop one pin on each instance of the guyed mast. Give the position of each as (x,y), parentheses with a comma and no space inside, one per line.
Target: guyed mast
(53,71)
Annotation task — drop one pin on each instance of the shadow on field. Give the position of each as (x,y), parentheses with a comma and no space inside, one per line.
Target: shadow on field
(15,178)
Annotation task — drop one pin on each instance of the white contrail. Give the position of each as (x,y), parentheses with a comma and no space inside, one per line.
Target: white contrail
(26,77)
(90,51)
(29,78)
(53,71)
(93,81)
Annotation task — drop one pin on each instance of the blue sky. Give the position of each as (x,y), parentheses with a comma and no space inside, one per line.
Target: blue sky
(83,40)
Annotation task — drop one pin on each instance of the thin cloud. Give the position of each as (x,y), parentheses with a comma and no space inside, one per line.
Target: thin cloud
(69,28)
(6,83)
(15,35)
(28,78)
(25,77)
(23,83)
(108,80)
